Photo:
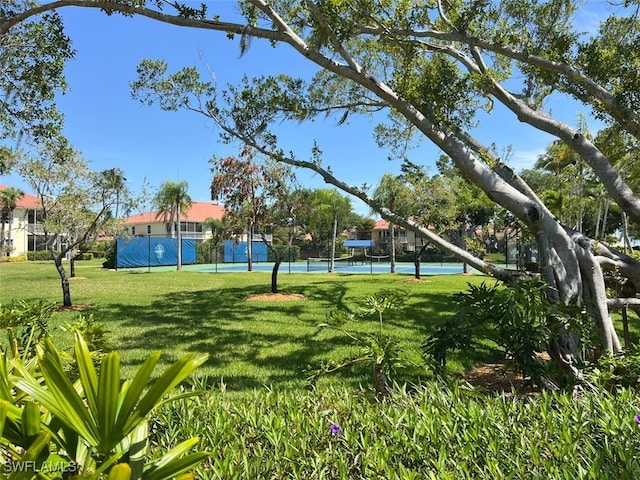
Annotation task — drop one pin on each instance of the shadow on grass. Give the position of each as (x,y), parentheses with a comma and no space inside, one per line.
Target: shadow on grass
(251,344)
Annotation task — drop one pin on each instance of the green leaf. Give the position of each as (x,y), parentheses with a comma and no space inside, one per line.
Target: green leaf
(30,456)
(135,388)
(177,372)
(173,463)
(59,397)
(138,449)
(108,397)
(87,372)
(31,422)
(5,389)
(4,406)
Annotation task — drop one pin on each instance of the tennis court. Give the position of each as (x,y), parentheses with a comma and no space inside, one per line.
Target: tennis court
(322,267)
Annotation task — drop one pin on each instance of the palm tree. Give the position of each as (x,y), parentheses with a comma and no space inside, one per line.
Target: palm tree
(171,201)
(392,193)
(330,205)
(8,201)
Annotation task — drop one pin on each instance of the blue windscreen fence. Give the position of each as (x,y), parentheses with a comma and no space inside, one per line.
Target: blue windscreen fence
(153,252)
(237,252)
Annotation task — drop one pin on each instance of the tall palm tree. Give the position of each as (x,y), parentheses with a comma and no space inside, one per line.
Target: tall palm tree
(172,201)
(8,201)
(393,193)
(330,205)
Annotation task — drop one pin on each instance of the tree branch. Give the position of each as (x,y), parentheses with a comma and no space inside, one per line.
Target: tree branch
(615,185)
(337,44)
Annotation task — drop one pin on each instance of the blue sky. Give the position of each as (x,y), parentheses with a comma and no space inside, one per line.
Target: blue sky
(113,130)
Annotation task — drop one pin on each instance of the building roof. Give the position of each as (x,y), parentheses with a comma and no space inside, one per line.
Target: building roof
(27,201)
(198,212)
(382,224)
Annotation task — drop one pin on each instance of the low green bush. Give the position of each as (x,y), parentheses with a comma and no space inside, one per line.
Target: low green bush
(437,432)
(84,256)
(110,256)
(616,371)
(95,428)
(515,318)
(39,255)
(25,324)
(14,259)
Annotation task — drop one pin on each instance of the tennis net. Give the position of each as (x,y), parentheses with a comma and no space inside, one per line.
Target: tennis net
(378,258)
(318,264)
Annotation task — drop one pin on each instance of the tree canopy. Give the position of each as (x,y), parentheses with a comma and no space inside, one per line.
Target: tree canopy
(33,54)
(76,204)
(258,195)
(172,201)
(432,66)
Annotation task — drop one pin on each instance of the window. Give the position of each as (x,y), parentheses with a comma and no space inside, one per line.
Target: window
(34,216)
(190,227)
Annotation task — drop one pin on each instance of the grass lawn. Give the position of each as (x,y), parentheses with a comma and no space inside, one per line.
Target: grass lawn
(250,343)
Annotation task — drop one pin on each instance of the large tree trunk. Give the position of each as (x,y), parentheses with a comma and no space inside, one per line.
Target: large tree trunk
(392,253)
(571,267)
(334,234)
(274,274)
(250,248)
(64,280)
(179,262)
(418,260)
(2,232)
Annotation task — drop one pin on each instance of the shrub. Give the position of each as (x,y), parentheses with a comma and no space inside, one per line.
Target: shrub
(26,325)
(84,256)
(515,318)
(40,255)
(92,429)
(110,256)
(439,431)
(377,350)
(99,248)
(616,371)
(14,259)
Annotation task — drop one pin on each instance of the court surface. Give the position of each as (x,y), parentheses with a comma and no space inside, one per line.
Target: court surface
(301,267)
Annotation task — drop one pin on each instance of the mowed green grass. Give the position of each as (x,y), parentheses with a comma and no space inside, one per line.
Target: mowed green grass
(250,343)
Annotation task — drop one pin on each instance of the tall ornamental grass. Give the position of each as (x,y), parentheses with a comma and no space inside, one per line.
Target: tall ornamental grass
(438,432)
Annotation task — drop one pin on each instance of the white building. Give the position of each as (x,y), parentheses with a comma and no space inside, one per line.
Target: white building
(22,230)
(191,224)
